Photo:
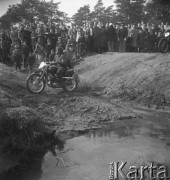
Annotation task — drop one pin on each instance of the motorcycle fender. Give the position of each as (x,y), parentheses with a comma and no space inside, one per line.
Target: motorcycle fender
(164,38)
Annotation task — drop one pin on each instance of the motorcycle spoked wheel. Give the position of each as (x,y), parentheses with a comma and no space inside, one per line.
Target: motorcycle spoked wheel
(35,84)
(163,46)
(70,85)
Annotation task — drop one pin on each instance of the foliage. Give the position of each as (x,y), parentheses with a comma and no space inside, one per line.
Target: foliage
(130,11)
(158,11)
(109,15)
(20,127)
(100,13)
(99,10)
(29,9)
(82,16)
(127,11)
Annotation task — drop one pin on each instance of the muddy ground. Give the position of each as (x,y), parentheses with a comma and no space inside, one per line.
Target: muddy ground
(110,86)
(62,111)
(109,82)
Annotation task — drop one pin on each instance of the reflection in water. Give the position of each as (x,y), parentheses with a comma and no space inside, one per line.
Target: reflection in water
(120,128)
(29,166)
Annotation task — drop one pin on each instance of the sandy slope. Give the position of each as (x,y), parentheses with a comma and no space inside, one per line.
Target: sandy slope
(137,76)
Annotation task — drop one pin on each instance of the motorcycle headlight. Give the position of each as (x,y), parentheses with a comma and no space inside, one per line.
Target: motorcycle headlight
(42,65)
(167,34)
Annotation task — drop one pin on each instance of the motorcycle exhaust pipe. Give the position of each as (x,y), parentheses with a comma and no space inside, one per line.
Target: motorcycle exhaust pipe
(67,77)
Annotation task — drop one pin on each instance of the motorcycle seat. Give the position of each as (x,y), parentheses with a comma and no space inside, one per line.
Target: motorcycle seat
(53,63)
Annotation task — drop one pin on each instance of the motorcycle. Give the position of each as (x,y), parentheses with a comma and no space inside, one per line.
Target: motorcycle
(164,42)
(46,74)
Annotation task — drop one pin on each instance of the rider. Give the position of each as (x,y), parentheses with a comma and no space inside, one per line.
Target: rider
(64,62)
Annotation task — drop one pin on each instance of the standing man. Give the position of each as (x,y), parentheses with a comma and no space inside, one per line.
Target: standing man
(4,46)
(53,39)
(111,36)
(70,30)
(122,36)
(133,33)
(90,38)
(97,36)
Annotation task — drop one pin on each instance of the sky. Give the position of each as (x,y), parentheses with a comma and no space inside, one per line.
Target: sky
(68,6)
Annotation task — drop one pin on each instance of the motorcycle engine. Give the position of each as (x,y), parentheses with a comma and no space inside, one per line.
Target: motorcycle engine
(52,70)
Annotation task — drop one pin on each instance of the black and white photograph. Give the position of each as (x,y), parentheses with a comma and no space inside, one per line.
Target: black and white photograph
(84,89)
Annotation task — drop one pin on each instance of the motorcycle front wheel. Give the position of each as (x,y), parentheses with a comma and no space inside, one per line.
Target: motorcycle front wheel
(163,46)
(70,85)
(35,83)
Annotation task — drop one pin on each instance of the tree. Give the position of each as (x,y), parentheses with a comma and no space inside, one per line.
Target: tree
(65,18)
(130,11)
(158,11)
(29,9)
(109,15)
(82,16)
(49,10)
(99,10)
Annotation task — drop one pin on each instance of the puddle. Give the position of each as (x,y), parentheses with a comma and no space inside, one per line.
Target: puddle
(133,141)
(87,157)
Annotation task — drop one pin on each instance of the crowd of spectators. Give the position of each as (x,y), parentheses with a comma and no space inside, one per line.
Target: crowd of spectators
(22,42)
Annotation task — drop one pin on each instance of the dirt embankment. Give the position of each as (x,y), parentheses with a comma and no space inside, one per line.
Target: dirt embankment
(142,77)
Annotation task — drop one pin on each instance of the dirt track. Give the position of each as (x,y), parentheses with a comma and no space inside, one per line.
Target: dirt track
(106,80)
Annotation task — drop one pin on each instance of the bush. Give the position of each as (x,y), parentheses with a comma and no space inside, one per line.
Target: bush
(21,129)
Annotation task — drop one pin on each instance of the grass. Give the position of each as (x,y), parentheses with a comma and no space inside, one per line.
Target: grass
(22,129)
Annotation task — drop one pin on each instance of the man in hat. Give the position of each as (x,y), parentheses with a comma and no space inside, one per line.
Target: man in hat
(122,36)
(111,36)
(90,38)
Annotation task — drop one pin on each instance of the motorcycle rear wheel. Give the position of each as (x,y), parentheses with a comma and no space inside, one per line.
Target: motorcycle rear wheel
(39,82)
(70,85)
(163,46)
